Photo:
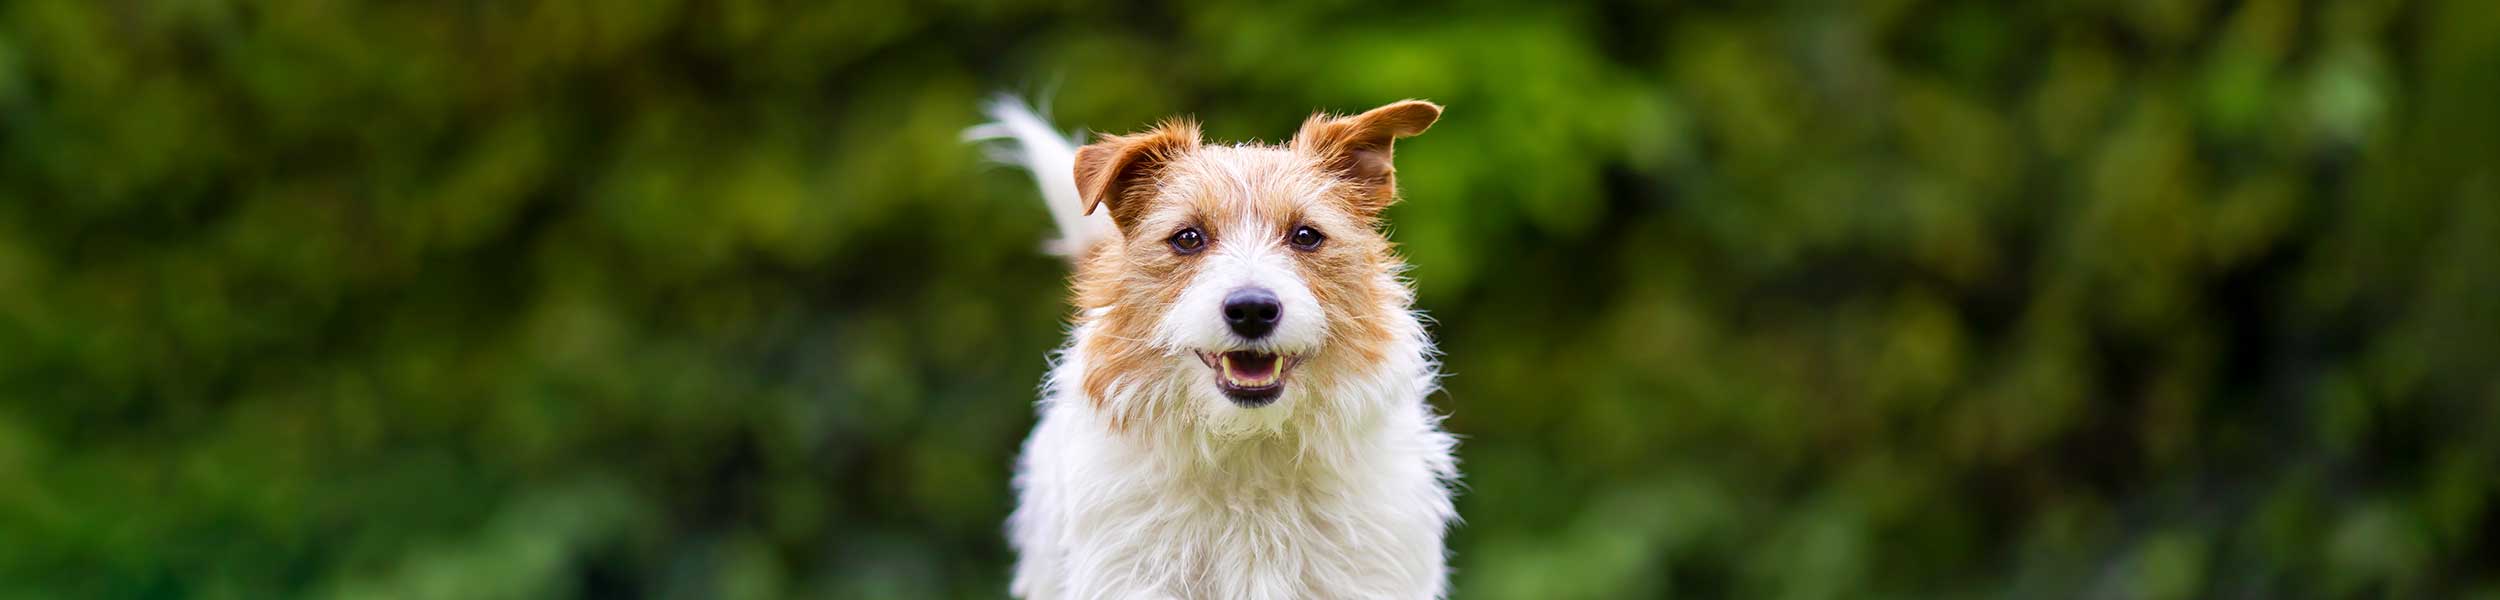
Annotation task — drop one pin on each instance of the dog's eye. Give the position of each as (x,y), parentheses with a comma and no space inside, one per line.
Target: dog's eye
(1306,239)
(1188,241)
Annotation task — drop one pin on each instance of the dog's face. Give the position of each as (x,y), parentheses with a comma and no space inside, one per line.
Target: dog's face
(1245,277)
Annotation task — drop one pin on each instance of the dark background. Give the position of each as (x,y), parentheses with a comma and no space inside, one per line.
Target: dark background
(463,299)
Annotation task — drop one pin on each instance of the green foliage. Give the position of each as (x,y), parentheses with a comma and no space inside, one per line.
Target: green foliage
(705,299)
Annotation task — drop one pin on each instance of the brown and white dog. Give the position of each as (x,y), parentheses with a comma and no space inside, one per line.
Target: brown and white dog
(1240,410)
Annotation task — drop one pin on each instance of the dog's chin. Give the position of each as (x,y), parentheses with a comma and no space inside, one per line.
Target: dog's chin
(1250,379)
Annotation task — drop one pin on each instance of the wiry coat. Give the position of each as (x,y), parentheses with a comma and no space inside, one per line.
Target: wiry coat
(1140,480)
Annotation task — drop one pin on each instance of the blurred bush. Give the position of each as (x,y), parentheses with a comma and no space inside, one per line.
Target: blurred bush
(705,299)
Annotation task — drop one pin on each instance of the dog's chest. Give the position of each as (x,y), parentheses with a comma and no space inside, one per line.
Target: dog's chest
(1344,503)
(1266,526)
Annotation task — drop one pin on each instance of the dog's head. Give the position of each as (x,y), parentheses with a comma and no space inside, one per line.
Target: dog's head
(1245,277)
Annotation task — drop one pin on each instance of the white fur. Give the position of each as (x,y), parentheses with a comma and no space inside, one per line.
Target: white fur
(1339,489)
(1347,500)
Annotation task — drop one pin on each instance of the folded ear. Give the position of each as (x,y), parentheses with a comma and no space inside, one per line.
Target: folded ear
(1118,170)
(1357,148)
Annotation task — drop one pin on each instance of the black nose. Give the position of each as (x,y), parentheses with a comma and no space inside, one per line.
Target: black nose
(1252,312)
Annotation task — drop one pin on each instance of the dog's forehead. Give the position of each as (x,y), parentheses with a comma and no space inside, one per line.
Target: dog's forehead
(1259,181)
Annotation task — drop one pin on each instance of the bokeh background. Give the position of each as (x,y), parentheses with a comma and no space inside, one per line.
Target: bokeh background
(2137,299)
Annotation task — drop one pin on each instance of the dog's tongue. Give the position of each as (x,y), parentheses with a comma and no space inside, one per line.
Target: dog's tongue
(1250,366)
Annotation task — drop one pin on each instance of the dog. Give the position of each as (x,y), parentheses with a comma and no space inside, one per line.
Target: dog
(1240,410)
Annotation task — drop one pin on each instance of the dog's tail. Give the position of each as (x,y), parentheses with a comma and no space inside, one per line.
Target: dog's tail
(1024,138)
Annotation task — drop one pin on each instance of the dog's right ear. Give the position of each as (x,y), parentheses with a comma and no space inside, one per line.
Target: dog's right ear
(1109,172)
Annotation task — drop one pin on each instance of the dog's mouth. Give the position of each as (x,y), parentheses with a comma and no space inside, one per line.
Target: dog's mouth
(1250,379)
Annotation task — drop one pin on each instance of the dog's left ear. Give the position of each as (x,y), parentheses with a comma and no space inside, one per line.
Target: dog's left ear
(1357,148)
